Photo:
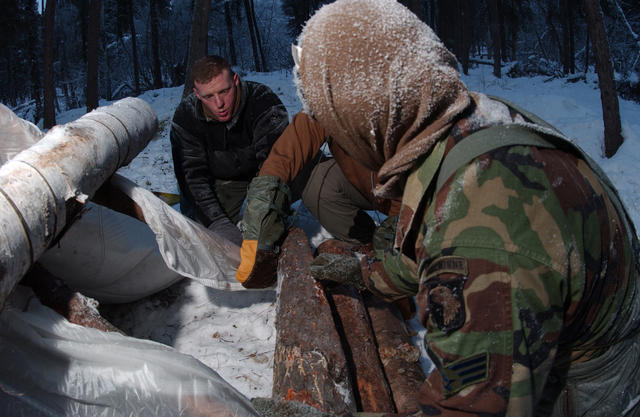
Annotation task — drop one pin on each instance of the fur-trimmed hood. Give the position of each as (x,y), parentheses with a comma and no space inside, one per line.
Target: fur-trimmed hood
(381,83)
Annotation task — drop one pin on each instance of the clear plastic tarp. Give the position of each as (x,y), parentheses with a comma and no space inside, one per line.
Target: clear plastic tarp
(51,367)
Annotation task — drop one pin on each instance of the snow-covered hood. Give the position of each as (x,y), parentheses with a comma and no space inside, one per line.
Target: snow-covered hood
(380,82)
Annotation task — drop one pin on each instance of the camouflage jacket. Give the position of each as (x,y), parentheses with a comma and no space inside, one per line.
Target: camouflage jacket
(522,268)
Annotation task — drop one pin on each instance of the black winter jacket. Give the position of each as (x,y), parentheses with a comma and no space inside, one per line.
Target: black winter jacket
(205,151)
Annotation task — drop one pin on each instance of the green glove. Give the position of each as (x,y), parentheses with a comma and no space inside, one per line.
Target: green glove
(263,226)
(337,268)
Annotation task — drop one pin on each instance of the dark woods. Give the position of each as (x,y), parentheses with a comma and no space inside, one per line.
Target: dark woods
(62,54)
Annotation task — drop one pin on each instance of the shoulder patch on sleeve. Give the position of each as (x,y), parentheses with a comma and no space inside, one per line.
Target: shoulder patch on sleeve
(446,302)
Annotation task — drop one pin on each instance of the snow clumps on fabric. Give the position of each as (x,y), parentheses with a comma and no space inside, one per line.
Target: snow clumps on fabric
(381,83)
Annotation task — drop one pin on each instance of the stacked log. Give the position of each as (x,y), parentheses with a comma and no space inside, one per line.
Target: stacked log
(398,355)
(364,337)
(309,363)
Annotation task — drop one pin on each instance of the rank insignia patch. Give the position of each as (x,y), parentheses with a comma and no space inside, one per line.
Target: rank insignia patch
(464,372)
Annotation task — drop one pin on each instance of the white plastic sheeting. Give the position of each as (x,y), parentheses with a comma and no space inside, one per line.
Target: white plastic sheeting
(50,367)
(116,258)
(109,256)
(186,246)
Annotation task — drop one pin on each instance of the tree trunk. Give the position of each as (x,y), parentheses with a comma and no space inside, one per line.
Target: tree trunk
(84,25)
(463,35)
(446,22)
(587,48)
(34,47)
(572,38)
(254,42)
(564,18)
(134,49)
(233,60)
(608,95)
(263,60)
(198,46)
(432,14)
(513,30)
(155,48)
(107,73)
(371,389)
(49,88)
(494,25)
(72,305)
(503,32)
(93,32)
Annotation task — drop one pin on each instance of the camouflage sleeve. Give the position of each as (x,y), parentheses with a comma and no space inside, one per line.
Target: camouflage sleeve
(493,284)
(491,264)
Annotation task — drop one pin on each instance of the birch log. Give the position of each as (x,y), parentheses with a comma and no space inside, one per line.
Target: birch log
(40,184)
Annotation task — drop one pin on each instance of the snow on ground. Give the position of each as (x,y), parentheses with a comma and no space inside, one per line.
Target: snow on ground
(234,332)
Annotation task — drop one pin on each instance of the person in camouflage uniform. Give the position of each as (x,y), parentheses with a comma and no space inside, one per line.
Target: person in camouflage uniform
(522,260)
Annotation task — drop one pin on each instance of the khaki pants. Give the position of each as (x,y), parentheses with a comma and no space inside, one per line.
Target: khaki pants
(337,204)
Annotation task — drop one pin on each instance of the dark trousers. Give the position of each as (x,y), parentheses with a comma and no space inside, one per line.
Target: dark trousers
(231,196)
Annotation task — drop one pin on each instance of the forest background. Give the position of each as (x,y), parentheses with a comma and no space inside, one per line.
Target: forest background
(64,54)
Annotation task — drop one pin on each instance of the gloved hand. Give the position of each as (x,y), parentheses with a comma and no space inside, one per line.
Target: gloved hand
(263,227)
(225,228)
(337,268)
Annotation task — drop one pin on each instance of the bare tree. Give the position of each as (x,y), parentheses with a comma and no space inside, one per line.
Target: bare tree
(33,54)
(608,95)
(134,47)
(155,49)
(198,46)
(252,32)
(49,89)
(462,34)
(258,36)
(93,32)
(494,26)
(233,60)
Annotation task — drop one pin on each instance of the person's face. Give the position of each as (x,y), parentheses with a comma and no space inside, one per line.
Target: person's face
(218,96)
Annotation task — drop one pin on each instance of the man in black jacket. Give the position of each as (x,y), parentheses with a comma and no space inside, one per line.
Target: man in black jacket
(220,135)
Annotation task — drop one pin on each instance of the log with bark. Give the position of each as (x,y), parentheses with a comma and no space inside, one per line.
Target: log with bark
(72,305)
(309,362)
(397,353)
(372,392)
(337,321)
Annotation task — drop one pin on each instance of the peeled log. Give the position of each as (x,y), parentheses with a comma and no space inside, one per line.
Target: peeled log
(40,184)
(309,363)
